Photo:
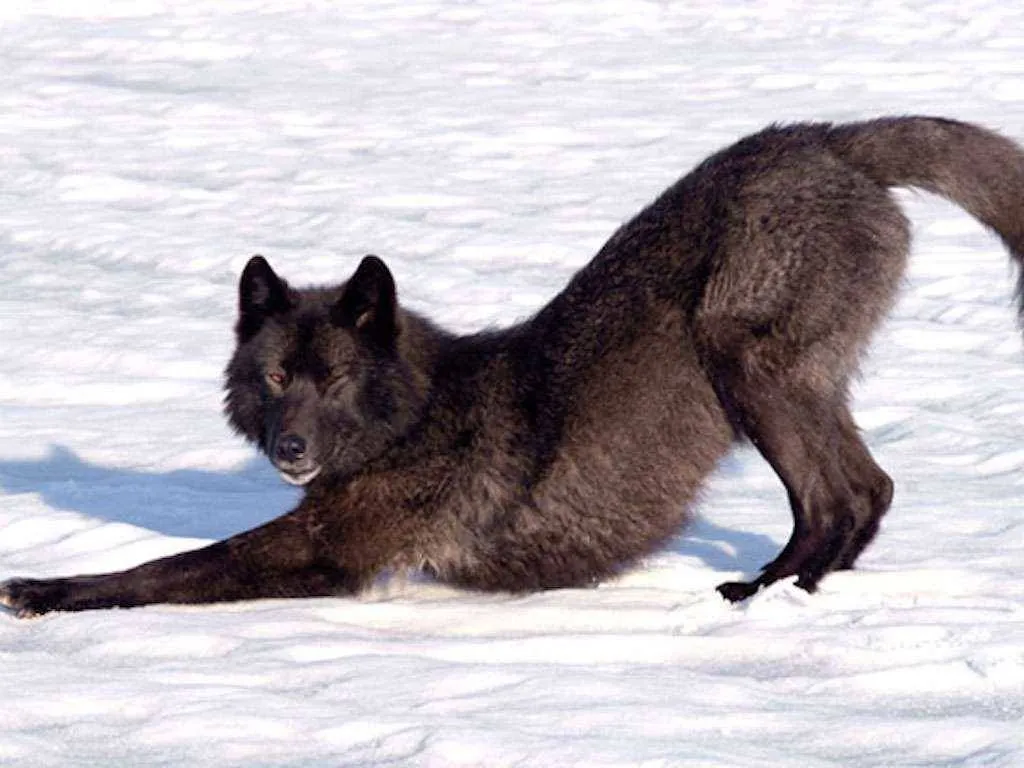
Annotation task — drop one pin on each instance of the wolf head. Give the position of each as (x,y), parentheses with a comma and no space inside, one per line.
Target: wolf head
(318,379)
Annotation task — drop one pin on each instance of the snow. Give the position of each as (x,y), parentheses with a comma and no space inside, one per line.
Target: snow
(486,150)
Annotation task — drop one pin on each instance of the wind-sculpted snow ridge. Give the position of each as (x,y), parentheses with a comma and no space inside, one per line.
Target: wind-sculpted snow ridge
(486,150)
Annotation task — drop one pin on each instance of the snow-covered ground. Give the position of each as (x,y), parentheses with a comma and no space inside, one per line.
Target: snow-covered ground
(486,150)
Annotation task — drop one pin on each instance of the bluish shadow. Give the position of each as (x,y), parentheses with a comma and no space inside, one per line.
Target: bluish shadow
(731,549)
(183,502)
(725,549)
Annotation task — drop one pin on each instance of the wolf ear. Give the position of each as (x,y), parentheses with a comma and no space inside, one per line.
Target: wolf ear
(368,303)
(261,293)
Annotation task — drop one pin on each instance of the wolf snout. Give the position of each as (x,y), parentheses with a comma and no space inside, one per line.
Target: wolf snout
(290,449)
(291,456)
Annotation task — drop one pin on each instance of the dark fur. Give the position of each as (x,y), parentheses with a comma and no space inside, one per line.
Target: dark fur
(559,451)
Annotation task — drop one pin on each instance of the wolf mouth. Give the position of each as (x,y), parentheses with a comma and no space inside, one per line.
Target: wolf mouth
(300,478)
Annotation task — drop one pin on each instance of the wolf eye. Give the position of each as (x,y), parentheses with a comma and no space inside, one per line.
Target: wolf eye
(276,378)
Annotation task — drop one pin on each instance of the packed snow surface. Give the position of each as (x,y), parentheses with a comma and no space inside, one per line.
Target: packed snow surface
(485,150)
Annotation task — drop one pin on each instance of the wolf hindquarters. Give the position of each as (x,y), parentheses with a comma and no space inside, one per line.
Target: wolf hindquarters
(781,328)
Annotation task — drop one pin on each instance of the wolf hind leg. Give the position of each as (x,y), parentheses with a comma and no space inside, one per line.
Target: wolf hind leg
(801,426)
(799,441)
(867,479)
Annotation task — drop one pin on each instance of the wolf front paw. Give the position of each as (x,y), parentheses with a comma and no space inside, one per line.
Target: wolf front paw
(31,597)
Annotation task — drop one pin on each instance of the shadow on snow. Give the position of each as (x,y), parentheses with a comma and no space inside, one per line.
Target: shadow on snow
(183,502)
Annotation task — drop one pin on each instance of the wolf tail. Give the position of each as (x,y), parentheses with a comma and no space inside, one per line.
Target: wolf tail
(975,168)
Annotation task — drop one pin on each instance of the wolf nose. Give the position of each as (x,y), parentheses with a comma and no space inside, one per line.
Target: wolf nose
(290,448)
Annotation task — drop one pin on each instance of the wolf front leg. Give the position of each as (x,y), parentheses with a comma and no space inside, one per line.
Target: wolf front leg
(283,558)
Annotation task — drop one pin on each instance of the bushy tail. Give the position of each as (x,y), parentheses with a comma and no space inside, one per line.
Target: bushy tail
(975,168)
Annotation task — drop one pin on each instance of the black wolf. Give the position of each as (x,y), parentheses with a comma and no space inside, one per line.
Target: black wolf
(557,452)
